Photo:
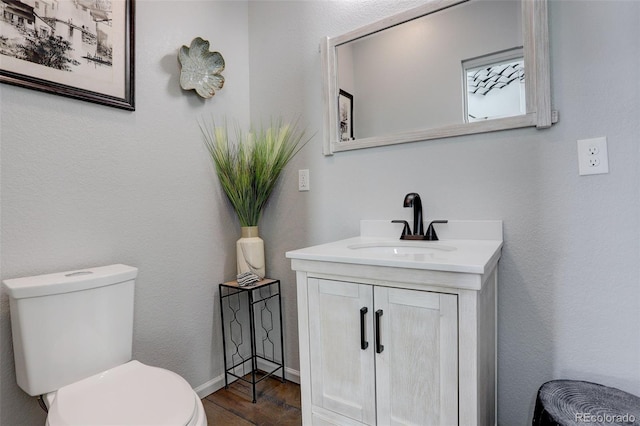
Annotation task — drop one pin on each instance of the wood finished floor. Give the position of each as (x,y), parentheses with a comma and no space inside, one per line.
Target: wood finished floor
(277,404)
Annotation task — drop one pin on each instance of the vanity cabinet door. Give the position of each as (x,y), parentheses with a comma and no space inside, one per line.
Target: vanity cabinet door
(342,364)
(417,365)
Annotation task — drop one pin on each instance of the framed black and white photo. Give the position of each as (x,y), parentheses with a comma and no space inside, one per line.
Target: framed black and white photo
(83,49)
(345,110)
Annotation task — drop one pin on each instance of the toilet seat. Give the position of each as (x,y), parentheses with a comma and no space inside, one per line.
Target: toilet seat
(132,394)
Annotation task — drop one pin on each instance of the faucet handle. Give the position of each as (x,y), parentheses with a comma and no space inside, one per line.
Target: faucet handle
(431,233)
(406,230)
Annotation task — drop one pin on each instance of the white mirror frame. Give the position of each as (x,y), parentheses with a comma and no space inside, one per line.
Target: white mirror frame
(538,88)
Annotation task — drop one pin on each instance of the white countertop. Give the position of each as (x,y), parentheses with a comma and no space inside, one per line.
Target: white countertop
(452,253)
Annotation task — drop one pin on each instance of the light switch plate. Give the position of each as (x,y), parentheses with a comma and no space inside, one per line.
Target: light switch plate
(303,180)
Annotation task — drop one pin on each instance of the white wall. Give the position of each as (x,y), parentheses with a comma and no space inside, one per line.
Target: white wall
(569,275)
(86,185)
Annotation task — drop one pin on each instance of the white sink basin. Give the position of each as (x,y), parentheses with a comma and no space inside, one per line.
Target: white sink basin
(401,248)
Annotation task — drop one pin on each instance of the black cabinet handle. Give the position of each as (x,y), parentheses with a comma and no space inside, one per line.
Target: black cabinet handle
(363,342)
(379,346)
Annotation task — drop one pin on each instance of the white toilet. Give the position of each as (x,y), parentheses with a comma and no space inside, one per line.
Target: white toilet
(72,337)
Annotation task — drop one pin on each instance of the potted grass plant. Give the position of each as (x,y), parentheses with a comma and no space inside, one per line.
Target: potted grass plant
(248,167)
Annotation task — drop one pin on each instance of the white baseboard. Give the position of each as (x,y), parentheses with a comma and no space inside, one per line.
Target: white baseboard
(217,383)
(210,387)
(289,373)
(292,375)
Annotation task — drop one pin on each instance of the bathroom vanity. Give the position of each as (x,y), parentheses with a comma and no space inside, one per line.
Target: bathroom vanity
(399,332)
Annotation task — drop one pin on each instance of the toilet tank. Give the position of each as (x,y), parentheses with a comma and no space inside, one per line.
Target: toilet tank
(70,325)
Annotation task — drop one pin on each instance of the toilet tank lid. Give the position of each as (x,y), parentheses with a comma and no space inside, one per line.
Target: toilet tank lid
(70,281)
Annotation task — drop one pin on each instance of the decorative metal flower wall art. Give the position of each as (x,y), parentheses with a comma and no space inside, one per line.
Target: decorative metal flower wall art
(200,68)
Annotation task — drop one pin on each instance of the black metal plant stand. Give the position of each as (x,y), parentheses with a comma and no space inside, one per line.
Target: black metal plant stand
(258,295)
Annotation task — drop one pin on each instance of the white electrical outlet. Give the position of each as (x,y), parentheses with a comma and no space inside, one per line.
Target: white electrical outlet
(592,156)
(303,180)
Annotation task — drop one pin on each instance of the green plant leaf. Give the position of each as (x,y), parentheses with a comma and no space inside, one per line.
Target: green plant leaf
(248,167)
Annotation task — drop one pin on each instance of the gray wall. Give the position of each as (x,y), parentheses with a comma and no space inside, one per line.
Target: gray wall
(569,275)
(83,185)
(86,185)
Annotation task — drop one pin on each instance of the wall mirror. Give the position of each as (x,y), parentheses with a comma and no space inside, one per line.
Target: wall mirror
(446,68)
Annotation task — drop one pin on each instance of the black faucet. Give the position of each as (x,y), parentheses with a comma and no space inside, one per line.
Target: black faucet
(431,233)
(412,199)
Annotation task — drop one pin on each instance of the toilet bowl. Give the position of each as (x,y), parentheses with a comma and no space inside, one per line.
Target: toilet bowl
(72,340)
(132,394)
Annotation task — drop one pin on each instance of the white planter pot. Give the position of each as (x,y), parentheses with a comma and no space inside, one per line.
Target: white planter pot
(250,252)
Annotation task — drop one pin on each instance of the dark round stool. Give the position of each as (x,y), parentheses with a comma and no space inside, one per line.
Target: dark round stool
(577,403)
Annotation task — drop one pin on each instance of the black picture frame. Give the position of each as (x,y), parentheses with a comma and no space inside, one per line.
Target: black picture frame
(112,32)
(345,115)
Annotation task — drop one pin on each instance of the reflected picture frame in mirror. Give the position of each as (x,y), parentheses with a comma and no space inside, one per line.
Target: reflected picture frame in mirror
(536,96)
(345,112)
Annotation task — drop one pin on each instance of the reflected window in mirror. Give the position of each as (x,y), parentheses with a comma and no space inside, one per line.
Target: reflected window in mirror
(494,86)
